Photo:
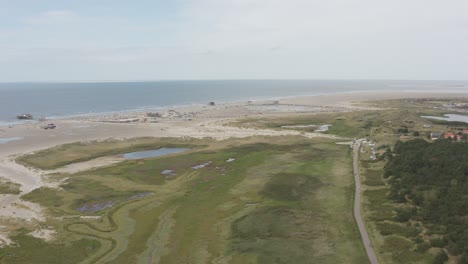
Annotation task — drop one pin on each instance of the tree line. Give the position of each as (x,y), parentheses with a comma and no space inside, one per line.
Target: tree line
(431,182)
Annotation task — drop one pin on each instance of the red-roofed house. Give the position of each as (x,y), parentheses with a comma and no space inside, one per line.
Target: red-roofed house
(465,131)
(453,136)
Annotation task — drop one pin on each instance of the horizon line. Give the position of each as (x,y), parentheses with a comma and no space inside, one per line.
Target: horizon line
(240,79)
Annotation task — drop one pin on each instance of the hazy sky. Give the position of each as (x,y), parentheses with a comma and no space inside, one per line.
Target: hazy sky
(59,40)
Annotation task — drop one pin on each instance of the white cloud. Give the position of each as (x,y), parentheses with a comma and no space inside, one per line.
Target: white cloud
(300,23)
(52,17)
(417,39)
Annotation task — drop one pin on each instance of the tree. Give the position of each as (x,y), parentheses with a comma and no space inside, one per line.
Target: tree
(432,177)
(403,130)
(440,258)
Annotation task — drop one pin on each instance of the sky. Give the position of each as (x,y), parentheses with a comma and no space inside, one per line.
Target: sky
(99,40)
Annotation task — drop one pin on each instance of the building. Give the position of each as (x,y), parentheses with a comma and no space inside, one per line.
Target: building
(453,136)
(436,135)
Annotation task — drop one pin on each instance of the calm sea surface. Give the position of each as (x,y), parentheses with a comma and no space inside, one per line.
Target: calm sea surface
(65,99)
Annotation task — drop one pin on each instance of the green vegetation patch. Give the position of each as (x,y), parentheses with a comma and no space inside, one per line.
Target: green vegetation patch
(44,196)
(7,187)
(349,127)
(433,177)
(90,192)
(62,155)
(278,235)
(379,206)
(356,124)
(448,123)
(373,178)
(397,244)
(309,205)
(283,202)
(273,222)
(390,228)
(28,249)
(149,171)
(402,251)
(290,186)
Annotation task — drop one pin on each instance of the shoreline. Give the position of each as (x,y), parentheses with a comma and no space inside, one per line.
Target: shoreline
(188,121)
(258,100)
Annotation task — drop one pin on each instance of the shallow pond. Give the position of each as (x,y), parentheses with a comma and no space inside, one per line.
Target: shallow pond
(153,153)
(201,166)
(92,208)
(450,117)
(323,128)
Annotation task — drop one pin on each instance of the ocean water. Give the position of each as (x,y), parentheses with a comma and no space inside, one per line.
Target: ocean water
(450,117)
(67,99)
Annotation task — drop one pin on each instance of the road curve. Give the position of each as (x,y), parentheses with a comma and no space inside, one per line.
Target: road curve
(357,205)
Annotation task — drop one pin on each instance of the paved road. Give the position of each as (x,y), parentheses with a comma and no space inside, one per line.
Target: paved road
(357,206)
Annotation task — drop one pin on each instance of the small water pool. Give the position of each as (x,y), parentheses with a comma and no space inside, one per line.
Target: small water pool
(323,128)
(11,139)
(154,153)
(450,117)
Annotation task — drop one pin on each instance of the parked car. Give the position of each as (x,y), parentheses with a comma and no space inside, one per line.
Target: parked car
(49,126)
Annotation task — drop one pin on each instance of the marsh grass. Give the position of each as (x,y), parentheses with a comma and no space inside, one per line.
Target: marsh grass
(290,186)
(62,155)
(88,192)
(378,206)
(373,178)
(35,250)
(402,251)
(346,125)
(7,187)
(45,196)
(292,229)
(299,190)
(391,228)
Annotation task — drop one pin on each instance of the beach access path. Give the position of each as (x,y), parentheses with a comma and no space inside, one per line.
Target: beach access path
(357,205)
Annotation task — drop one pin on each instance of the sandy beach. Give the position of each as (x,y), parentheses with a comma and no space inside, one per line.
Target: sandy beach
(204,121)
(198,122)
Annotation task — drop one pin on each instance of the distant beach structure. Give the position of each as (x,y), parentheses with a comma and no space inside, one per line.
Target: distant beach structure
(24,116)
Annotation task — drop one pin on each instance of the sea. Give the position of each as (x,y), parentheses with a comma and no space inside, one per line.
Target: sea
(61,100)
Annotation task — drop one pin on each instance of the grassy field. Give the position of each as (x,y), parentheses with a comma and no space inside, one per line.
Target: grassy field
(7,187)
(287,202)
(62,155)
(343,124)
(34,250)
